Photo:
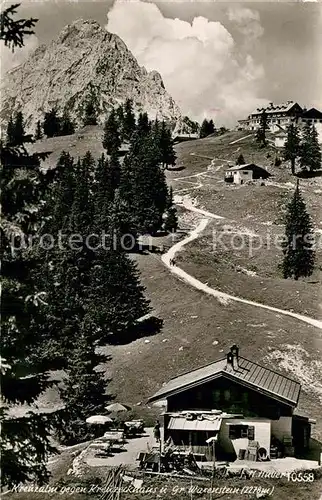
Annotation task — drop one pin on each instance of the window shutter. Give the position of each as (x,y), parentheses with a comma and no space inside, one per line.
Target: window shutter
(251,433)
(232,432)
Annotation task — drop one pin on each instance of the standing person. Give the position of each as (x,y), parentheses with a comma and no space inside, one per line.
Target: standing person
(156,431)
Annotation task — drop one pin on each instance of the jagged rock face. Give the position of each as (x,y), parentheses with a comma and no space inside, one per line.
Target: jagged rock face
(85,60)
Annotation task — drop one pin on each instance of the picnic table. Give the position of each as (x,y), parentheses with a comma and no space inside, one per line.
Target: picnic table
(134,426)
(114,436)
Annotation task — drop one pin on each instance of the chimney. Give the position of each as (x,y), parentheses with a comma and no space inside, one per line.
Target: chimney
(234,351)
(271,105)
(230,359)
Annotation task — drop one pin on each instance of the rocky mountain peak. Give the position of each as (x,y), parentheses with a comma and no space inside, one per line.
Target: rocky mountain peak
(84,62)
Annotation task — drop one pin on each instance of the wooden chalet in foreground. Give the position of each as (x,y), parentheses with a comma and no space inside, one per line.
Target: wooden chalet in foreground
(234,408)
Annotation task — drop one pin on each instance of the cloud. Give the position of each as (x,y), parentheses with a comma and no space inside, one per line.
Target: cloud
(198,61)
(247,22)
(10,60)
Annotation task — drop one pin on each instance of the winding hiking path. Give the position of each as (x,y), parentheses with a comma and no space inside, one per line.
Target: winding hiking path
(224,298)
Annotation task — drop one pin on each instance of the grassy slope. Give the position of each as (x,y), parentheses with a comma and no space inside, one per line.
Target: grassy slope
(255,209)
(192,320)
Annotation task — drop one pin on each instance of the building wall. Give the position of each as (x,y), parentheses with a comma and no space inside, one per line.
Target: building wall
(282,427)
(242,176)
(280,141)
(232,446)
(228,396)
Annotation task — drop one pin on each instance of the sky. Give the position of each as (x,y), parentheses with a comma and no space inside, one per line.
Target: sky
(217,59)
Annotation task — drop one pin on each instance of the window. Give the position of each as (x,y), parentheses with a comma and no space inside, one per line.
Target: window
(245,173)
(227,395)
(242,431)
(216,395)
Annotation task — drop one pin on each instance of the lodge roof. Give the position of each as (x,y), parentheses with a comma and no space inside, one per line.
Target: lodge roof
(275,108)
(312,113)
(247,166)
(247,373)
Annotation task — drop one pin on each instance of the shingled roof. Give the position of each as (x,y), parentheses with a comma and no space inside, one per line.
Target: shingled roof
(276,108)
(247,373)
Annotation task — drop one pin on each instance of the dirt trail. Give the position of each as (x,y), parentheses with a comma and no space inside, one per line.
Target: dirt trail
(222,297)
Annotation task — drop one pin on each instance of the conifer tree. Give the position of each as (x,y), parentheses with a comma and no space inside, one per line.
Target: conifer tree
(115,296)
(168,155)
(298,248)
(61,195)
(291,148)
(207,128)
(171,218)
(211,127)
(67,127)
(129,123)
(38,131)
(25,441)
(310,151)
(111,138)
(10,131)
(204,129)
(262,129)
(90,113)
(52,123)
(240,160)
(16,130)
(120,121)
(84,390)
(81,215)
(13,31)
(143,126)
(143,184)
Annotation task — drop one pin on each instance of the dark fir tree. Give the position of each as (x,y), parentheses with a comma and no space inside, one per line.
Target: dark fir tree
(143,126)
(38,131)
(298,246)
(52,123)
(171,217)
(240,160)
(262,129)
(291,148)
(211,127)
(310,151)
(67,126)
(81,215)
(16,130)
(90,113)
(61,195)
(13,31)
(112,137)
(204,129)
(25,444)
(10,132)
(168,155)
(84,390)
(207,128)
(129,123)
(143,184)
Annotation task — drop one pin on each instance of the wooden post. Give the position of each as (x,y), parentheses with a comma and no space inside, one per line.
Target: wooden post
(160,449)
(213,468)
